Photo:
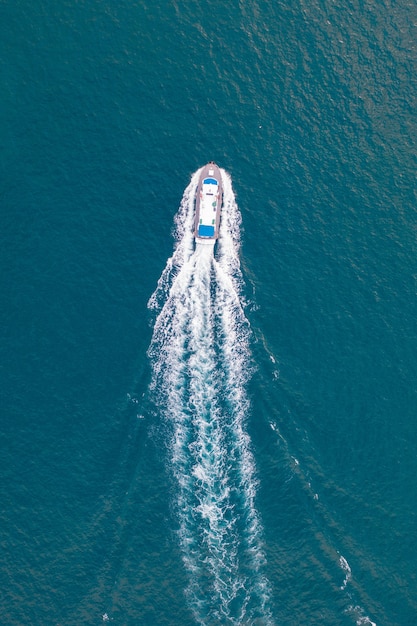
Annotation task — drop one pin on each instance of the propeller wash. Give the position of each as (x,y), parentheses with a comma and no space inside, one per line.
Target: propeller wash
(201,364)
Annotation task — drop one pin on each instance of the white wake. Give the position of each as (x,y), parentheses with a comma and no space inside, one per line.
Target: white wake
(201,364)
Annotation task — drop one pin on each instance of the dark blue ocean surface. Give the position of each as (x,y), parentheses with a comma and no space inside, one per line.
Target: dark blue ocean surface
(240,449)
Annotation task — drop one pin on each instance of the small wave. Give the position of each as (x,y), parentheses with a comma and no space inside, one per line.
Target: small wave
(355,610)
(360,618)
(346,568)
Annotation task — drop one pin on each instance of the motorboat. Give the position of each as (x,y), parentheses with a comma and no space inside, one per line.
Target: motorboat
(208,204)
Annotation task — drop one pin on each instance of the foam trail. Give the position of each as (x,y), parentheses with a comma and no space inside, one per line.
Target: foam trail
(201,363)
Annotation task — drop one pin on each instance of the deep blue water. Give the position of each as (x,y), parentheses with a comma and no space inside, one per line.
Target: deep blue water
(107,112)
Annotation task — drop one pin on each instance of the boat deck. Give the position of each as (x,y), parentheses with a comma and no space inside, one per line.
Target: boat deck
(209,198)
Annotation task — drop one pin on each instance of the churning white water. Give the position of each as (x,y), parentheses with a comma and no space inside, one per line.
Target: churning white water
(201,364)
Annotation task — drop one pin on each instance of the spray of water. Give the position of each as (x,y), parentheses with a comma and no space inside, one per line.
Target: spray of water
(201,363)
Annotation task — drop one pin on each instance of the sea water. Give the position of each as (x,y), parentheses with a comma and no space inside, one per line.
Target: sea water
(198,438)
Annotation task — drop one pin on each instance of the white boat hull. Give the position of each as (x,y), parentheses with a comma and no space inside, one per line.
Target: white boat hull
(208,204)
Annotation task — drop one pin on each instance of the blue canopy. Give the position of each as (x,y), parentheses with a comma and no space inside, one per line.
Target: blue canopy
(210,181)
(205,231)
